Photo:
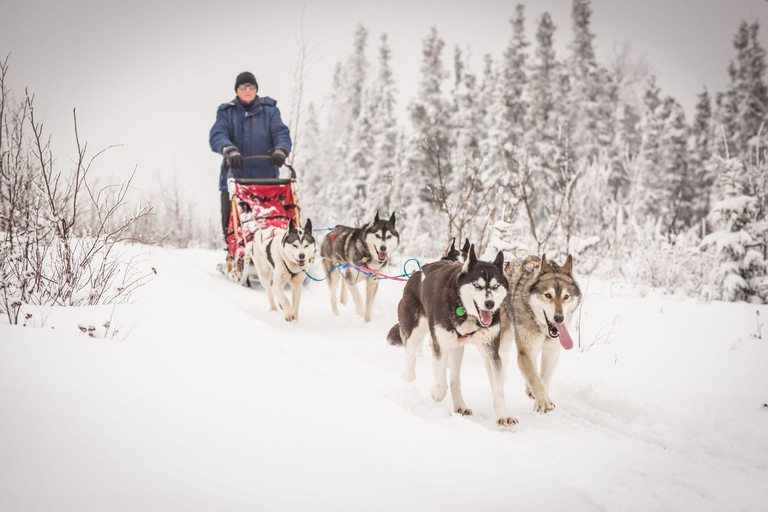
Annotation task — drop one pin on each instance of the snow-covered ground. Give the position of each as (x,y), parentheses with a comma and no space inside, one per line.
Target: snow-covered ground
(203,401)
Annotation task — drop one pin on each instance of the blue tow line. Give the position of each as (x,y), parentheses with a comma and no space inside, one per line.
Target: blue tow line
(342,266)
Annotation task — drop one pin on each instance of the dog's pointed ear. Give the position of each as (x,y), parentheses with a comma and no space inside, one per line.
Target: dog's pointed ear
(471,260)
(450,248)
(392,219)
(568,267)
(465,248)
(499,261)
(376,218)
(544,265)
(291,225)
(308,226)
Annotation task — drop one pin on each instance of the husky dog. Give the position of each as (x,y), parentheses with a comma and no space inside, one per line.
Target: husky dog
(281,255)
(451,253)
(541,301)
(458,305)
(369,247)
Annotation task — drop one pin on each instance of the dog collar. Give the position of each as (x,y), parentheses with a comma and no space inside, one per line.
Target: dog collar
(293,274)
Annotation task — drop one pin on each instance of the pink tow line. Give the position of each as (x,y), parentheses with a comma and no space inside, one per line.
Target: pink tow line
(369,271)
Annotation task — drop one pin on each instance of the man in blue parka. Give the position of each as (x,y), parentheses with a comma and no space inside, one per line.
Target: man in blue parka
(249,125)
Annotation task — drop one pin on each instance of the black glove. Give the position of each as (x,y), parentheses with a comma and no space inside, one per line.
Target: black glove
(233,156)
(278,157)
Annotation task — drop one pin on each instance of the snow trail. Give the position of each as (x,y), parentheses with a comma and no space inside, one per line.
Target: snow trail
(210,402)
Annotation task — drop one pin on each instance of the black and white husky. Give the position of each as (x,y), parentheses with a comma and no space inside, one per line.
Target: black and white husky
(280,256)
(458,305)
(370,247)
(451,253)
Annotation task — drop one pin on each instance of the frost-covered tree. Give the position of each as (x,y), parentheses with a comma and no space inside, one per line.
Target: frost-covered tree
(515,74)
(466,115)
(384,135)
(745,102)
(430,117)
(700,154)
(356,75)
(486,89)
(544,79)
(590,111)
(675,184)
(643,194)
(738,242)
(311,168)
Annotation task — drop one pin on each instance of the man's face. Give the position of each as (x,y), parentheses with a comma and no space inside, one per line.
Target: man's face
(248,94)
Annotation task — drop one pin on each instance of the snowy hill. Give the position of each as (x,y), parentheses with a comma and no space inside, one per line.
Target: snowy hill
(203,401)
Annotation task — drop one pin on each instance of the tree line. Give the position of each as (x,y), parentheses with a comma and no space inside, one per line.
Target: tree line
(541,152)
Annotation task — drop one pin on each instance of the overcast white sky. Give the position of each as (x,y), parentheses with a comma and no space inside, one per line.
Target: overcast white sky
(149,74)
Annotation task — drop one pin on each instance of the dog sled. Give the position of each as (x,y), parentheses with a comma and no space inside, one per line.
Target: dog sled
(259,205)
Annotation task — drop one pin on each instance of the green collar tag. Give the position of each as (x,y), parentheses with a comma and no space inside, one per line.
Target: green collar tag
(461,311)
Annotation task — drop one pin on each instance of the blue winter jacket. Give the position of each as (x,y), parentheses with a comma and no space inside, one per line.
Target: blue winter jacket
(256,131)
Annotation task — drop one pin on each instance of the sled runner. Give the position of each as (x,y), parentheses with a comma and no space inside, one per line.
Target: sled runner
(258,206)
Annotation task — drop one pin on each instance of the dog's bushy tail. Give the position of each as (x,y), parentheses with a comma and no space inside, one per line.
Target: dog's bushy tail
(393,337)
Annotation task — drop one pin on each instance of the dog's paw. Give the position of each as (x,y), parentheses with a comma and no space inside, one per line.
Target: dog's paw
(367,319)
(438,394)
(507,421)
(464,411)
(529,393)
(272,308)
(543,406)
(409,376)
(290,317)
(343,299)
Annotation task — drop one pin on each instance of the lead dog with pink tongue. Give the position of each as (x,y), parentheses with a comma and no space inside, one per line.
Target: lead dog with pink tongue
(542,299)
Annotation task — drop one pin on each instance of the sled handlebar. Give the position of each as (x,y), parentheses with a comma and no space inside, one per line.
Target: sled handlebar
(263,157)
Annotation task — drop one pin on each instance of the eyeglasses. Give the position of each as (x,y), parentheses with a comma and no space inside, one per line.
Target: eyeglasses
(243,87)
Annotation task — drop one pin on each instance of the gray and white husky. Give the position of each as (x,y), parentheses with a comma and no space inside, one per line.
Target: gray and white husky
(370,247)
(280,256)
(540,305)
(458,305)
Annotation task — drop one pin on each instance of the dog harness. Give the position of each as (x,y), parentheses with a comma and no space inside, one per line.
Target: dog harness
(461,312)
(271,234)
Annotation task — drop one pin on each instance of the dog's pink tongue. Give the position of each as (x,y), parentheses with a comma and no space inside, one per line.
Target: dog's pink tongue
(565,338)
(486,316)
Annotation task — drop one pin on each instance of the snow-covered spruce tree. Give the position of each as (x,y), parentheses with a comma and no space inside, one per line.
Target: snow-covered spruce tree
(626,73)
(700,144)
(515,77)
(676,186)
(739,237)
(429,114)
(742,107)
(384,135)
(358,163)
(486,90)
(466,114)
(343,110)
(310,165)
(508,114)
(590,126)
(543,81)
(643,196)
